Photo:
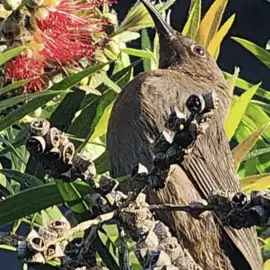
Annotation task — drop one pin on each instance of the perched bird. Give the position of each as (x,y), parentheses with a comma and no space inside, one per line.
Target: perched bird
(137,119)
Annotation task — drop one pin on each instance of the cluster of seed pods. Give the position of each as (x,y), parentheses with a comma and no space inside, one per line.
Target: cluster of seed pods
(45,244)
(53,148)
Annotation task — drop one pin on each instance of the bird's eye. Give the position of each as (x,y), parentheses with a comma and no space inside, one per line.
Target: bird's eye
(198,50)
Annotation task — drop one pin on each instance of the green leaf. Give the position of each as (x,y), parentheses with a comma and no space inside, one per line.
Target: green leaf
(138,53)
(246,85)
(73,198)
(214,45)
(138,17)
(13,86)
(146,46)
(83,126)
(25,109)
(232,81)
(67,108)
(262,54)
(20,139)
(242,149)
(26,180)
(194,18)
(12,148)
(112,85)
(34,200)
(6,247)
(238,110)
(101,163)
(255,182)
(257,153)
(6,56)
(210,23)
(73,79)
(22,98)
(5,183)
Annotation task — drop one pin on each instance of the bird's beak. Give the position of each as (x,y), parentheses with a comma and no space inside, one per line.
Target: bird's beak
(164,30)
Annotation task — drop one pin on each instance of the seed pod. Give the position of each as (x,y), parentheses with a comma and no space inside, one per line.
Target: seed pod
(176,120)
(160,161)
(60,226)
(53,138)
(157,258)
(148,241)
(39,127)
(84,165)
(53,251)
(37,258)
(195,103)
(139,171)
(211,100)
(140,254)
(162,143)
(171,247)
(72,249)
(36,145)
(48,236)
(68,152)
(258,215)
(35,242)
(239,200)
(162,231)
(52,156)
(107,184)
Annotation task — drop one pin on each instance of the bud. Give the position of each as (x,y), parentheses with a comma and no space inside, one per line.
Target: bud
(11,4)
(11,27)
(33,3)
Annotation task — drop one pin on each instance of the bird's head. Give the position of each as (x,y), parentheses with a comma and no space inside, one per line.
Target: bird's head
(180,53)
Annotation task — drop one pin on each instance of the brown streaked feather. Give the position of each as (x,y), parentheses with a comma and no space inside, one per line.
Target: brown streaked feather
(136,119)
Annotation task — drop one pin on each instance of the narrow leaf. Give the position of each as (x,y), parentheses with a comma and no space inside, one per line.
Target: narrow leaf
(238,110)
(67,108)
(231,81)
(34,200)
(146,46)
(215,43)
(262,54)
(112,85)
(138,18)
(27,180)
(6,56)
(242,149)
(73,79)
(257,153)
(244,85)
(194,18)
(22,98)
(25,109)
(210,23)
(13,86)
(255,182)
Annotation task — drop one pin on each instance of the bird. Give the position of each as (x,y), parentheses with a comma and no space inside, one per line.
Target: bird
(137,119)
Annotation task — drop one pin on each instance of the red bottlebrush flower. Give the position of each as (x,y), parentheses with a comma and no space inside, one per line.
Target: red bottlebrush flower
(63,35)
(66,36)
(22,68)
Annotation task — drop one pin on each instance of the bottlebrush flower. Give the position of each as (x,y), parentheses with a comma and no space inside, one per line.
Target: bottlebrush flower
(63,33)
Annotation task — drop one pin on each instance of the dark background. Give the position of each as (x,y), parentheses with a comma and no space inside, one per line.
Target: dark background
(252,23)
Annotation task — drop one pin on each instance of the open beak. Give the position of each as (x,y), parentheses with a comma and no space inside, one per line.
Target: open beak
(163,28)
